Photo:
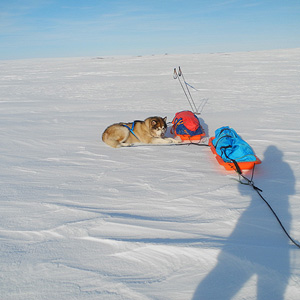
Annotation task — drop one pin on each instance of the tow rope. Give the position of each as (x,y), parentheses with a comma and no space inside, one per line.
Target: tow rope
(250,182)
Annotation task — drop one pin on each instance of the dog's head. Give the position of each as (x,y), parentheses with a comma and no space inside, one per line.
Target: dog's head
(157,126)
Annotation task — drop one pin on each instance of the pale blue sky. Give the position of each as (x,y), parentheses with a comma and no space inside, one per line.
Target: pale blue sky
(69,28)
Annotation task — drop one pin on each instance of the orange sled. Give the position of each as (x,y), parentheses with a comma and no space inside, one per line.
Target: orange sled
(186,137)
(245,165)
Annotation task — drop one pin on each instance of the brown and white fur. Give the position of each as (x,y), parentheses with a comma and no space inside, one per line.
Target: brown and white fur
(149,131)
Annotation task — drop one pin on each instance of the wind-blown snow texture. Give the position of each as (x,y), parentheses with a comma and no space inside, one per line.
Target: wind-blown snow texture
(81,220)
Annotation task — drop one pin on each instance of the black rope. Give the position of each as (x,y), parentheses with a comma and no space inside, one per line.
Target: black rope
(250,182)
(191,143)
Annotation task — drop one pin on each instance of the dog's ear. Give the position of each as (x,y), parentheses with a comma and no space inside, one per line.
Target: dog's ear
(165,119)
(153,122)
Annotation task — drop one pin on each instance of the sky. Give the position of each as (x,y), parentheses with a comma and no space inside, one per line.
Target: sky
(74,28)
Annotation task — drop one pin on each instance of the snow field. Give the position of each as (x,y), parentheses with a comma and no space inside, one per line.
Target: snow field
(80,220)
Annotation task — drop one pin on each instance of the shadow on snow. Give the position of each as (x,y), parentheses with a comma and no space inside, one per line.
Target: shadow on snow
(257,245)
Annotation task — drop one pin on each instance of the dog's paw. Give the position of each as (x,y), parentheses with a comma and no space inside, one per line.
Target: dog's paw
(178,140)
(173,141)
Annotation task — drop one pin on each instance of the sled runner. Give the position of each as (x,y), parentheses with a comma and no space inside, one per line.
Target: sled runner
(231,150)
(187,126)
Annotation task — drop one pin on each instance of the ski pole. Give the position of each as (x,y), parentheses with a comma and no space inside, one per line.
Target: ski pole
(175,76)
(180,73)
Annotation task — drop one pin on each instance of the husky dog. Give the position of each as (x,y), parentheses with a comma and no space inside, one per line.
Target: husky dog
(149,131)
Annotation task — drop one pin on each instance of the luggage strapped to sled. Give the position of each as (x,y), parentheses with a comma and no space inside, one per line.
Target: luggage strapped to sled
(187,126)
(231,151)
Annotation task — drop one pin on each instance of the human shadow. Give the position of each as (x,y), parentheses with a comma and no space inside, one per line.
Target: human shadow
(257,245)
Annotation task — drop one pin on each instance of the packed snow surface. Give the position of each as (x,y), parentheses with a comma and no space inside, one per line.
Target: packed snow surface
(81,220)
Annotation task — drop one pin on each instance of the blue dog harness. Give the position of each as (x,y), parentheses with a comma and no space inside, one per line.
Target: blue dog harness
(131,129)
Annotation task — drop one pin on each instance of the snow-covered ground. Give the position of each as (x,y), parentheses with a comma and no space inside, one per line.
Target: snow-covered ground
(81,220)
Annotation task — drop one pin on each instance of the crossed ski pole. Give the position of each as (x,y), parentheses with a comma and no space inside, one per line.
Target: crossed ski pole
(185,89)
